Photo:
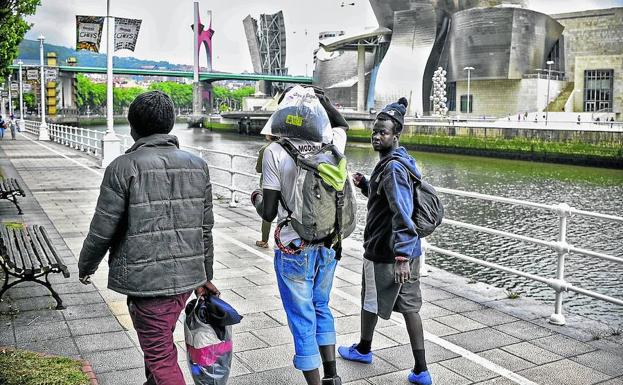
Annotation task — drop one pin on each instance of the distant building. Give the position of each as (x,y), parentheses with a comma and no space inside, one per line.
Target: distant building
(267,46)
(506,44)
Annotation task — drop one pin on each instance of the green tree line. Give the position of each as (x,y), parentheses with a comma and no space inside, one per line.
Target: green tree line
(93,94)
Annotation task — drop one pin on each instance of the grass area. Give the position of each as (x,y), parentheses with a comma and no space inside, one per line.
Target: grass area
(514,145)
(13,225)
(19,367)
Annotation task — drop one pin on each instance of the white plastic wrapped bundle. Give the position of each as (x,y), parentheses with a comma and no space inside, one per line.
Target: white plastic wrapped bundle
(300,115)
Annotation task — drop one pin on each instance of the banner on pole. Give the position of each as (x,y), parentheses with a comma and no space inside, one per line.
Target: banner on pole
(27,87)
(14,86)
(126,33)
(32,74)
(51,74)
(89,32)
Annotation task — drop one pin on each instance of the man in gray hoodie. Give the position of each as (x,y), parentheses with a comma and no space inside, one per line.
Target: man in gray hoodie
(154,218)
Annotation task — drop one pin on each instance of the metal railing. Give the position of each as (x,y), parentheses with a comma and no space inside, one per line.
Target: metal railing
(82,139)
(75,139)
(560,246)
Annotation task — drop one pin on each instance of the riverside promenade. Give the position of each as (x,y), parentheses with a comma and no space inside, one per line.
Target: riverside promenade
(474,333)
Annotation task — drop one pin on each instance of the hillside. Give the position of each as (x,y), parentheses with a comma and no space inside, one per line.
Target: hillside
(29,50)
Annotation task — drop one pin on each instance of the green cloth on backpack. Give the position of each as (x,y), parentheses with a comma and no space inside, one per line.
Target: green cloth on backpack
(334,176)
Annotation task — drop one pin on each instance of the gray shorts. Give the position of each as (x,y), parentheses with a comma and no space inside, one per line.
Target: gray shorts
(381,295)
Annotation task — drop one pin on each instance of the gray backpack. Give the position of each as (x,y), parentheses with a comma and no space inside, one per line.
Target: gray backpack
(325,205)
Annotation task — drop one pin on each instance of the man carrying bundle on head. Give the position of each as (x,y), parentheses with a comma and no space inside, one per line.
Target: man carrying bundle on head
(391,243)
(305,184)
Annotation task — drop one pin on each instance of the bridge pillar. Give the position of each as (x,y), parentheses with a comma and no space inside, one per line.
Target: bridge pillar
(361,78)
(197,98)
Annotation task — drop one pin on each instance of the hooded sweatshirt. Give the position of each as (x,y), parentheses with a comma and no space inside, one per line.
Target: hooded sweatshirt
(390,231)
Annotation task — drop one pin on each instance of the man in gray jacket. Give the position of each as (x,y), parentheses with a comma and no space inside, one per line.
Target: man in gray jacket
(154,217)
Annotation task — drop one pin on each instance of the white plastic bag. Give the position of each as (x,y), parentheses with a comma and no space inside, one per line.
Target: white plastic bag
(300,116)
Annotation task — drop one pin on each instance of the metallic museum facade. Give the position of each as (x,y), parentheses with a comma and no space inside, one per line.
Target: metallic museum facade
(506,49)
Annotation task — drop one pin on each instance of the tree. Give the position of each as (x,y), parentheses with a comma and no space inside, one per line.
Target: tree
(13,27)
(181,94)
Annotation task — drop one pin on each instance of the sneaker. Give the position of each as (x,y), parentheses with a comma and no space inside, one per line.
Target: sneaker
(420,379)
(332,381)
(352,354)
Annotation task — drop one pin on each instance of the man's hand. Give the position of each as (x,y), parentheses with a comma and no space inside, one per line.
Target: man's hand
(85,280)
(207,288)
(359,180)
(402,270)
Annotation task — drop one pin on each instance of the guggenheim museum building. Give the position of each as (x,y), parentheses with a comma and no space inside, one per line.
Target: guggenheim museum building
(507,51)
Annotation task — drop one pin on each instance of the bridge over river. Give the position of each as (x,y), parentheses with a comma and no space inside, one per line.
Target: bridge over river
(475,333)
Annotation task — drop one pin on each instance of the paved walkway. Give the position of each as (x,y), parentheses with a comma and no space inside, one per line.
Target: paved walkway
(475,334)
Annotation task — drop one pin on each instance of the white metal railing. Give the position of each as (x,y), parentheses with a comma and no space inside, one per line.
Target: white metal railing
(560,246)
(75,138)
(82,139)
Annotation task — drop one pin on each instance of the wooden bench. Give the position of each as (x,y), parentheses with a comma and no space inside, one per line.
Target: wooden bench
(28,254)
(10,189)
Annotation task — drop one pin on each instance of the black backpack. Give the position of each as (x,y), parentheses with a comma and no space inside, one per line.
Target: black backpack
(427,207)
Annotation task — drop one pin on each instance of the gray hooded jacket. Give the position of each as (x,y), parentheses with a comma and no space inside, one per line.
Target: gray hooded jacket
(154,215)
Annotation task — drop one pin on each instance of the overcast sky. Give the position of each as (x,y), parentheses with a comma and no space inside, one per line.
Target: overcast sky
(166,35)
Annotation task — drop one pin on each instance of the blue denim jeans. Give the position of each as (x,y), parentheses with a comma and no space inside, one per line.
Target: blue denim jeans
(305,281)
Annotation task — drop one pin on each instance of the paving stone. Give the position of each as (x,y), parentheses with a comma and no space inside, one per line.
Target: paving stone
(497,381)
(402,356)
(524,330)
(103,341)
(94,326)
(268,358)
(26,318)
(490,317)
(351,371)
(481,339)
(287,375)
(437,328)
(459,305)
(532,353)
(460,322)
(41,332)
(246,306)
(122,377)
(563,372)
(275,336)
(247,341)
(379,342)
(59,346)
(605,362)
(114,360)
(430,310)
(432,294)
(506,360)
(439,374)
(89,311)
(7,335)
(614,381)
(255,321)
(562,345)
(468,369)
(279,315)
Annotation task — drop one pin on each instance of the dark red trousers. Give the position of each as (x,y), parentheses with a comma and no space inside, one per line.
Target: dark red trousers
(154,320)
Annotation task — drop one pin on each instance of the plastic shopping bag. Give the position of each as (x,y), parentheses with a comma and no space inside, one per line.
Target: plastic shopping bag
(209,342)
(300,116)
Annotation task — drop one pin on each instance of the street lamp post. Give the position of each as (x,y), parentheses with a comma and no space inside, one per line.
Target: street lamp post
(111,145)
(549,76)
(469,70)
(10,96)
(21,123)
(43,128)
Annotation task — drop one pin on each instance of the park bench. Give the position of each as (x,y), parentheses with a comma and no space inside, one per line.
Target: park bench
(28,254)
(10,189)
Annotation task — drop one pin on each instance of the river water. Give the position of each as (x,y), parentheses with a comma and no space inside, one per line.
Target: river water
(591,189)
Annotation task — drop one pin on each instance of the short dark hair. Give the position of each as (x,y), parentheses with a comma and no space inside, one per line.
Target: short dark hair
(152,113)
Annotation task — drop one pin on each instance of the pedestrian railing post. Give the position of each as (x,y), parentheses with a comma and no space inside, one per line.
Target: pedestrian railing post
(422,259)
(232,201)
(564,212)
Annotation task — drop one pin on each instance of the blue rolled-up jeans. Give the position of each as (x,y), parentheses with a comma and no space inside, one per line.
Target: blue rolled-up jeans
(305,280)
